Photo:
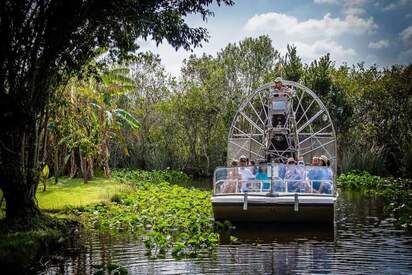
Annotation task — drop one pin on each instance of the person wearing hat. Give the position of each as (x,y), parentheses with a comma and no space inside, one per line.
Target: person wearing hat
(315,161)
(323,160)
(245,173)
(280,89)
(291,161)
(278,83)
(295,177)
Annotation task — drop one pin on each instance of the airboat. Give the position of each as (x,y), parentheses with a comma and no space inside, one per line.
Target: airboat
(274,124)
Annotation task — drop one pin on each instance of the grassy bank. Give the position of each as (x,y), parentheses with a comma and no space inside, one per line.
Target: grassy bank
(396,192)
(19,250)
(74,193)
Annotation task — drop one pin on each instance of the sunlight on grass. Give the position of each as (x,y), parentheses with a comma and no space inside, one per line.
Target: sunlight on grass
(73,192)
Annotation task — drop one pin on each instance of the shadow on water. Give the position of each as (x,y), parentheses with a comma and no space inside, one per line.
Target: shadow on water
(249,233)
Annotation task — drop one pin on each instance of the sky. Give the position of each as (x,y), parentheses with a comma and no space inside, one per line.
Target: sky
(352,31)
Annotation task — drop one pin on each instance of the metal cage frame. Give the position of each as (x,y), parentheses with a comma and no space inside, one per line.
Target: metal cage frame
(294,86)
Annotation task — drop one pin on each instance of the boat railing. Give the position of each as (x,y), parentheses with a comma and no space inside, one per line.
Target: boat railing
(291,179)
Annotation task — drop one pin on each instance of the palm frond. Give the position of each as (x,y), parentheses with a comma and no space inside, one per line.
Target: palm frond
(127,118)
(117,79)
(109,117)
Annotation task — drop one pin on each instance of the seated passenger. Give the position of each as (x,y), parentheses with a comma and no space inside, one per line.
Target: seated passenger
(232,179)
(326,186)
(245,173)
(295,177)
(314,175)
(252,167)
(279,171)
(315,161)
(262,175)
(282,168)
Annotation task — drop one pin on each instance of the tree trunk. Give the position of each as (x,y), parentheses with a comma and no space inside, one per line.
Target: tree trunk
(19,172)
(91,167)
(73,165)
(85,167)
(21,207)
(56,164)
(1,201)
(105,155)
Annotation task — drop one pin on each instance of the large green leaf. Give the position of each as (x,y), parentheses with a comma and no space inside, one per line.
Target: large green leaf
(127,118)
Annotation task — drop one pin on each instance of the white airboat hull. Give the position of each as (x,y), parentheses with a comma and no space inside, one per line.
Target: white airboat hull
(274,208)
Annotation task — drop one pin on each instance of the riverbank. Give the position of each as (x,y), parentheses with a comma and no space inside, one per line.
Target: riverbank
(396,193)
(20,250)
(160,208)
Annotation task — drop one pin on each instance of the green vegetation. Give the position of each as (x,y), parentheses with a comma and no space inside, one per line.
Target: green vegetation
(75,112)
(167,216)
(155,176)
(396,192)
(370,108)
(157,206)
(75,193)
(74,33)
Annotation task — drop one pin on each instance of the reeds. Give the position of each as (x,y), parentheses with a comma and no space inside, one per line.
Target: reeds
(370,159)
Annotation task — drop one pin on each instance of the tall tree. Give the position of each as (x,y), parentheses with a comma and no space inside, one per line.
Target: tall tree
(318,75)
(248,63)
(293,67)
(45,40)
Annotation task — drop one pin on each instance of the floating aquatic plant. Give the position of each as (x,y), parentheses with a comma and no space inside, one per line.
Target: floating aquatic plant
(168,217)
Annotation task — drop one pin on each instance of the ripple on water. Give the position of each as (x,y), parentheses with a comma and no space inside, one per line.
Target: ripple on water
(363,242)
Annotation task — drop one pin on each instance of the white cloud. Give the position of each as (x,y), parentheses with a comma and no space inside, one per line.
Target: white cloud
(378,44)
(313,37)
(354,7)
(312,29)
(325,1)
(396,4)
(311,51)
(406,36)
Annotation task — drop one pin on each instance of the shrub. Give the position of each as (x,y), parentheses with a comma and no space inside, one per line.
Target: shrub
(136,177)
(370,159)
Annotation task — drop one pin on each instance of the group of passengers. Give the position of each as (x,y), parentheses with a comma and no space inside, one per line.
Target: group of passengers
(292,175)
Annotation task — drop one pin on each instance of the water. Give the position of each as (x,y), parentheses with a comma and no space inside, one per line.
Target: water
(364,241)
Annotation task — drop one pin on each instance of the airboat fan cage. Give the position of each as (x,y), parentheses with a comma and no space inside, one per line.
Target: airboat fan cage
(277,124)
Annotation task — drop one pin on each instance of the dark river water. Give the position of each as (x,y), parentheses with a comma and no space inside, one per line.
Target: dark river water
(363,241)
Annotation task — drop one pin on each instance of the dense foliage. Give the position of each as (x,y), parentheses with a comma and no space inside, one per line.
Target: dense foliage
(43,44)
(396,192)
(157,176)
(169,217)
(185,121)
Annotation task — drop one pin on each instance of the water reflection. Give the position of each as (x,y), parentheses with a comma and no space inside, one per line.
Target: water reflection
(364,241)
(266,233)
